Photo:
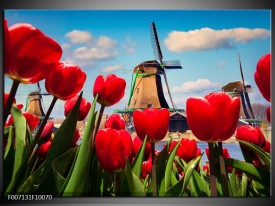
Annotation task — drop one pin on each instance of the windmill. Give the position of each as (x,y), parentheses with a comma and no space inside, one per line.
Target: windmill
(146,88)
(240,89)
(34,102)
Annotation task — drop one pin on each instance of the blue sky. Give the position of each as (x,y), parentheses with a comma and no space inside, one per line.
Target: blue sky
(206,42)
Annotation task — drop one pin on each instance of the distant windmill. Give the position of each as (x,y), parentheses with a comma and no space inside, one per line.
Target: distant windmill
(240,89)
(146,88)
(34,102)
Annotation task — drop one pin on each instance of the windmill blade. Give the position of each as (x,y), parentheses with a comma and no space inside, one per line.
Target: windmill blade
(245,92)
(172,64)
(155,43)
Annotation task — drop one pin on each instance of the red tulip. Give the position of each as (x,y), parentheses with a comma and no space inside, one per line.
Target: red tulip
(66,81)
(83,109)
(198,152)
(113,147)
(214,117)
(262,76)
(115,121)
(110,89)
(137,143)
(31,119)
(187,149)
(29,55)
(76,138)
(152,122)
(267,147)
(146,168)
(46,133)
(268,112)
(250,134)
(43,149)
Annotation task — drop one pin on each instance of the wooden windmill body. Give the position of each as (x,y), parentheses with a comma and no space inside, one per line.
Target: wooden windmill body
(147,89)
(34,104)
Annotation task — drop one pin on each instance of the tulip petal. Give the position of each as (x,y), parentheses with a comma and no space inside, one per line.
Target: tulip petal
(139,121)
(200,117)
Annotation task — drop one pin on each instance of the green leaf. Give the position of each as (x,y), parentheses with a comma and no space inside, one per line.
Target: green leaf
(79,179)
(61,143)
(20,126)
(160,163)
(255,173)
(244,185)
(258,151)
(189,171)
(8,157)
(199,188)
(61,167)
(179,188)
(137,164)
(31,183)
(135,185)
(168,170)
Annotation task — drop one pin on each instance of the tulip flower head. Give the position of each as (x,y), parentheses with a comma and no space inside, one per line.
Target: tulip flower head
(113,148)
(110,89)
(43,149)
(84,108)
(76,138)
(65,81)
(137,143)
(250,134)
(187,149)
(115,121)
(46,133)
(267,147)
(29,55)
(146,168)
(214,117)
(262,76)
(152,122)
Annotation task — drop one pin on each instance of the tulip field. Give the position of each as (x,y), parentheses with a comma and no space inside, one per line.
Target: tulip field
(109,162)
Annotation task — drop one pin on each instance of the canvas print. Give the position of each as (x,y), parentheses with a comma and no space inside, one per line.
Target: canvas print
(126,103)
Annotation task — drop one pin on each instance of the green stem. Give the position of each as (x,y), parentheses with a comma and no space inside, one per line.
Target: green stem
(117,184)
(21,170)
(153,172)
(14,87)
(223,171)
(98,122)
(213,185)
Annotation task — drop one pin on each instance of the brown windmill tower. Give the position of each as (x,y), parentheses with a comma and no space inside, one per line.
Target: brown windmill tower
(146,89)
(34,104)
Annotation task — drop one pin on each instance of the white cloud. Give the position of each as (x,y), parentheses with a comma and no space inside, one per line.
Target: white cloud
(85,53)
(65,46)
(89,49)
(199,85)
(112,68)
(129,46)
(105,42)
(207,38)
(77,36)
